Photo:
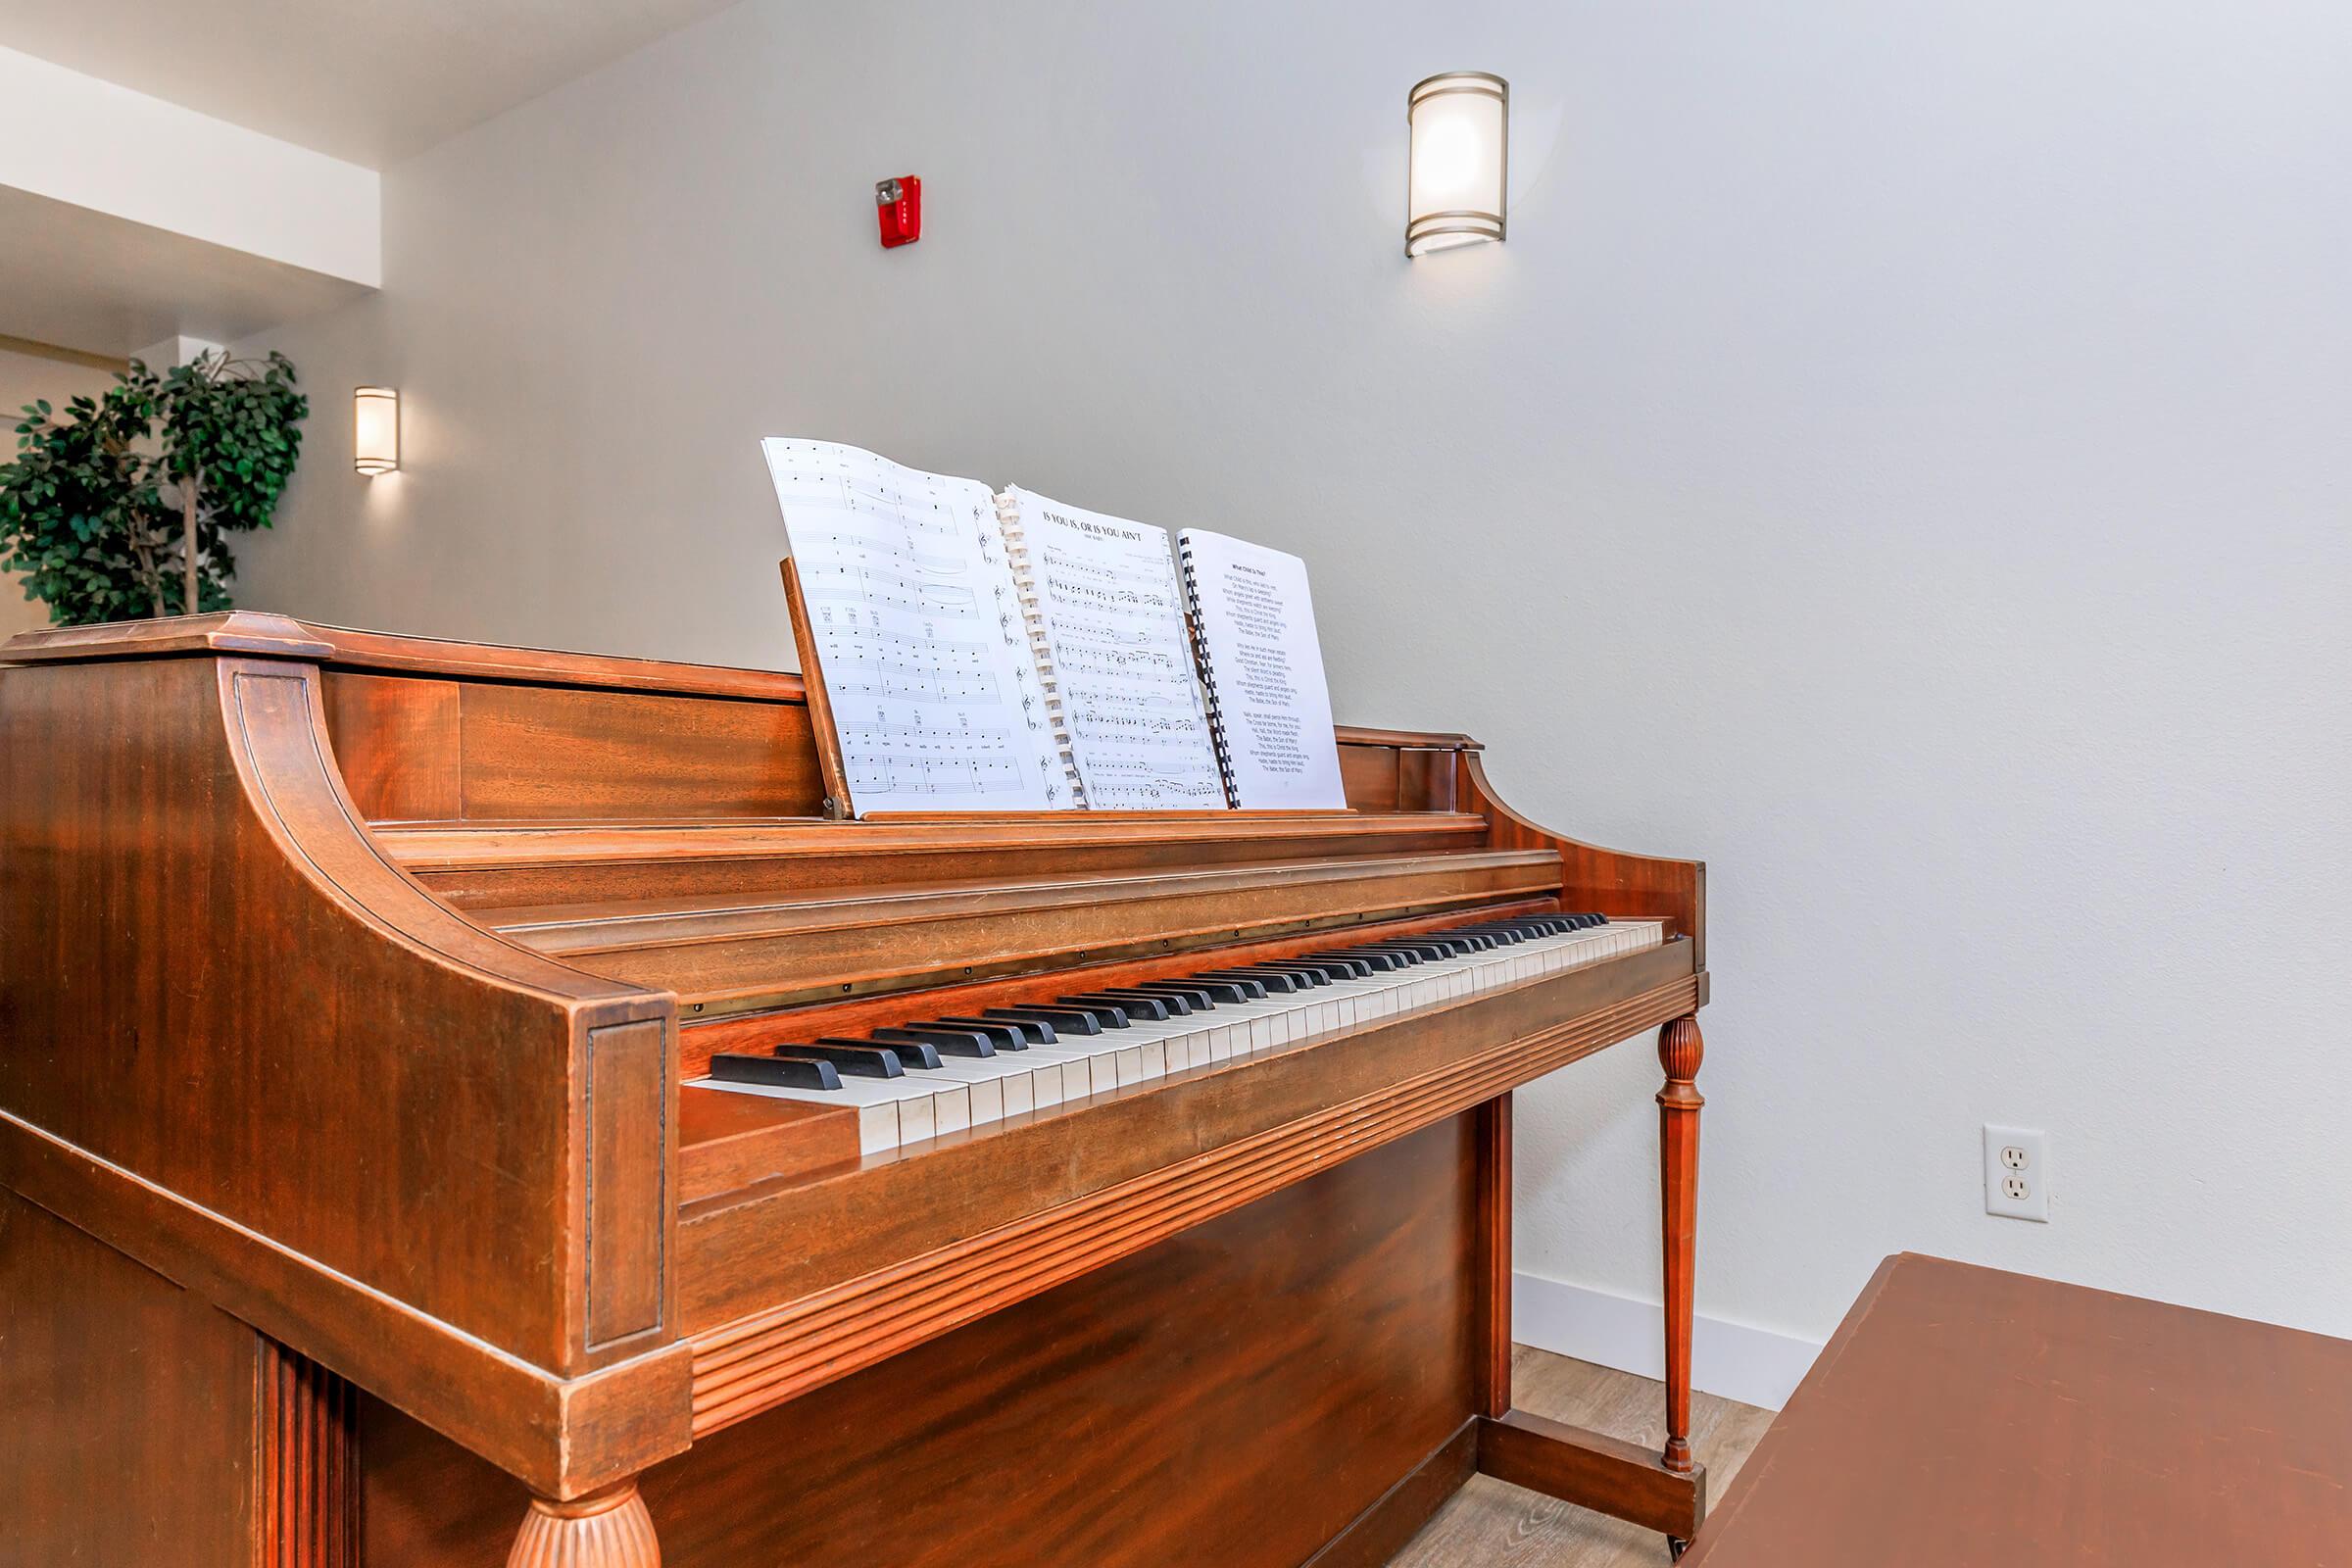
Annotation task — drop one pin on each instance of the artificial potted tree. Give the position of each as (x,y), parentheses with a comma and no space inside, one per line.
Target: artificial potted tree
(119,508)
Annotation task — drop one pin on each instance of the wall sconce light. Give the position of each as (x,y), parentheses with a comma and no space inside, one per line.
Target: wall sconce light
(1461,128)
(374,429)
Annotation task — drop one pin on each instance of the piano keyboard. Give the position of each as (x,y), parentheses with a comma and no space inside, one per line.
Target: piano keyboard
(925,1079)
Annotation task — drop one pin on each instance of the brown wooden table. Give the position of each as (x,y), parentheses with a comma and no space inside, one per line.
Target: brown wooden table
(1965,1416)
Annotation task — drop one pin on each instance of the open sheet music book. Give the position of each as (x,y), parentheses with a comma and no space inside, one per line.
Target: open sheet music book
(985,652)
(1262,665)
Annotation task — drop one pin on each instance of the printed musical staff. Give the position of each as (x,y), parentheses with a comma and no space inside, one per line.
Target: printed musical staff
(912,607)
(1108,608)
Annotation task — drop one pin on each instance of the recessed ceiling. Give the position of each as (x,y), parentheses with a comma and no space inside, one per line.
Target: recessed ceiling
(367,83)
(88,281)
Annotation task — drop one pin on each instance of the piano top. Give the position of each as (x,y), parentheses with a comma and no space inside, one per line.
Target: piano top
(343,648)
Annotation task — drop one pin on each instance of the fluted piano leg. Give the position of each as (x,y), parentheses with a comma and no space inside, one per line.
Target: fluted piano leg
(608,1529)
(1680,1049)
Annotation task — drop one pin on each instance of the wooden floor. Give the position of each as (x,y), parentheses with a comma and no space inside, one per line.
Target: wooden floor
(1491,1525)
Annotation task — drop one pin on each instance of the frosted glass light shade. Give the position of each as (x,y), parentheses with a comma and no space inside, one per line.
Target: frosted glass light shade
(374,429)
(1460,125)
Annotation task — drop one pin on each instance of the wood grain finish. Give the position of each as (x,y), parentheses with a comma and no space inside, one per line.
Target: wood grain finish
(245,1036)
(308,1506)
(608,1529)
(727,1142)
(756,1362)
(1564,1462)
(130,1411)
(241,631)
(727,953)
(1314,1101)
(397,745)
(1961,1415)
(244,1093)
(1492,1524)
(494,866)
(346,648)
(563,1435)
(1494,1327)
(758,1031)
(628,1087)
(349,982)
(1680,1052)
(419,749)
(1319,1354)
(831,766)
(532,753)
(1380,1530)
(1594,878)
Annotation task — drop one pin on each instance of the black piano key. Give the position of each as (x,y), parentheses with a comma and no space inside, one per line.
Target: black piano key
(912,1054)
(1330,970)
(1227,991)
(1108,1014)
(777,1072)
(1199,997)
(1407,960)
(1203,993)
(1149,1008)
(1175,1005)
(1003,1035)
(1421,948)
(1280,984)
(858,1061)
(1299,973)
(1373,958)
(1359,968)
(951,1042)
(1071,1020)
(1031,1030)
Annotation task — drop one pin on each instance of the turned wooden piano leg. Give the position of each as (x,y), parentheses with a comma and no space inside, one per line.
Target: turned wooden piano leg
(608,1529)
(1679,1051)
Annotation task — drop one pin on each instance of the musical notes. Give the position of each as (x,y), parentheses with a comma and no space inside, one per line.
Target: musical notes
(1107,607)
(913,609)
(991,653)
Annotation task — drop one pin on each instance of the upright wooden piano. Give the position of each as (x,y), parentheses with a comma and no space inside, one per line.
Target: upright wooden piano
(370,1196)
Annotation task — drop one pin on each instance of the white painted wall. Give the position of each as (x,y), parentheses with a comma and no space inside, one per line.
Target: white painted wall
(134,157)
(1900,455)
(27,379)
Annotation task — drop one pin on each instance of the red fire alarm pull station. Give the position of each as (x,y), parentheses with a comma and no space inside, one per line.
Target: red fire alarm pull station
(900,202)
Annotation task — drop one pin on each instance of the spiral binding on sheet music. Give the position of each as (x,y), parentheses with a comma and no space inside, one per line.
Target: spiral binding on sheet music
(1024,578)
(1208,672)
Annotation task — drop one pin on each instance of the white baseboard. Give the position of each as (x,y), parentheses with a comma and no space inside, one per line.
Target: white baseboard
(1752,1365)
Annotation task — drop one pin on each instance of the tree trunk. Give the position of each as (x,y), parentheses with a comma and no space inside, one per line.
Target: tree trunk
(188,521)
(151,572)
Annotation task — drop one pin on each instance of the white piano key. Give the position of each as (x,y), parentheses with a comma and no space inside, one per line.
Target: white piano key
(964,1092)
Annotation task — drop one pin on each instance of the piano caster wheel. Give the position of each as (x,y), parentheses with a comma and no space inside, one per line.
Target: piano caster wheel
(1676,1546)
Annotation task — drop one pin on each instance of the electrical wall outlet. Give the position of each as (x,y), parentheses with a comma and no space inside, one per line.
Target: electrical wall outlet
(2017,1173)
